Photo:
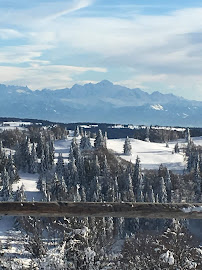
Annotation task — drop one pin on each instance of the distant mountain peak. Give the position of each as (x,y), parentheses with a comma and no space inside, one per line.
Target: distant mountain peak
(105,83)
(99,102)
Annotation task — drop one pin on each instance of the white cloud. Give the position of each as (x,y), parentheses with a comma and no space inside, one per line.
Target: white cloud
(22,54)
(43,76)
(7,33)
(189,86)
(74,6)
(163,51)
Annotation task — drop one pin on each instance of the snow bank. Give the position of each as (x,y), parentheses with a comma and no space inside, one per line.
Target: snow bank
(192,209)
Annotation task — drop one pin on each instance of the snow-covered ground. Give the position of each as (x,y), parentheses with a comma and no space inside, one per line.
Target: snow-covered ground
(151,154)
(30,185)
(63,147)
(14,125)
(197,140)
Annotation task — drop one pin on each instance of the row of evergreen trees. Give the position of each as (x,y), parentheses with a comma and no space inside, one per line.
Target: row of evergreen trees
(8,173)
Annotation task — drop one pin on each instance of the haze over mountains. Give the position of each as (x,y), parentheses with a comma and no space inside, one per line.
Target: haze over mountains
(101,102)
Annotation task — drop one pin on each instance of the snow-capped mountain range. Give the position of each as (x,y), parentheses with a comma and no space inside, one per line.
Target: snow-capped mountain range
(101,102)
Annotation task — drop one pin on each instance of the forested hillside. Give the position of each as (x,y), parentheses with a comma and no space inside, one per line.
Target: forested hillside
(51,163)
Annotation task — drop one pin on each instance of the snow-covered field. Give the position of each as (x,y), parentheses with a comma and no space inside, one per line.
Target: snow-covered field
(30,185)
(197,140)
(63,147)
(14,125)
(151,154)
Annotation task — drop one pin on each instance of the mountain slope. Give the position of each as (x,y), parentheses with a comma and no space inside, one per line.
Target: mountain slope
(101,102)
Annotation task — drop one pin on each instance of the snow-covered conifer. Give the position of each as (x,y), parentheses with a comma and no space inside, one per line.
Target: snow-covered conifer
(188,136)
(40,145)
(147,134)
(95,190)
(6,191)
(96,166)
(12,170)
(129,189)
(33,164)
(127,148)
(176,148)
(137,174)
(105,139)
(76,195)
(168,184)
(43,164)
(162,193)
(20,194)
(151,197)
(197,182)
(85,142)
(99,140)
(60,166)
(73,177)
(76,131)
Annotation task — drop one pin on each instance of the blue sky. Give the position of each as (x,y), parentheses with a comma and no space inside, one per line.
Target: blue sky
(153,44)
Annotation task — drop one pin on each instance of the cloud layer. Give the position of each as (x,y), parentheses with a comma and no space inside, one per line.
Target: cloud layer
(154,51)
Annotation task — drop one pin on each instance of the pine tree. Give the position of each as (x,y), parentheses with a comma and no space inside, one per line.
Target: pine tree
(20,194)
(1,147)
(129,189)
(188,136)
(83,193)
(137,175)
(40,145)
(41,181)
(25,154)
(43,165)
(105,140)
(76,153)
(51,152)
(99,140)
(85,142)
(162,194)
(176,149)
(140,187)
(95,190)
(73,177)
(76,131)
(127,148)
(33,164)
(147,134)
(168,184)
(12,170)
(197,182)
(81,170)
(55,188)
(96,167)
(151,197)
(6,191)
(110,192)
(60,166)
(76,194)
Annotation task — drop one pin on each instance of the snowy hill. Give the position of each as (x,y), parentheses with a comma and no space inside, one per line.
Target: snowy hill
(151,154)
(101,102)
